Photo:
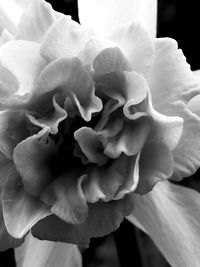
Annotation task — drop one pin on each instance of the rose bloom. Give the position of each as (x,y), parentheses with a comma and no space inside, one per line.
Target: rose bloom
(92,117)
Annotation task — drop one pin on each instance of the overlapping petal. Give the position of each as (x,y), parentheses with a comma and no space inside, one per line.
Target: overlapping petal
(170,215)
(32,29)
(35,152)
(20,210)
(22,60)
(66,198)
(136,45)
(104,15)
(65,38)
(12,130)
(70,79)
(103,218)
(173,85)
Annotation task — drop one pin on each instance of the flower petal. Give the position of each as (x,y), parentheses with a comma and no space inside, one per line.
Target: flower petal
(12,130)
(10,14)
(35,152)
(5,37)
(66,199)
(106,14)
(35,21)
(36,253)
(108,182)
(110,60)
(70,79)
(103,218)
(52,119)
(179,86)
(65,38)
(5,168)
(170,215)
(137,46)
(7,241)
(22,59)
(126,87)
(26,210)
(156,164)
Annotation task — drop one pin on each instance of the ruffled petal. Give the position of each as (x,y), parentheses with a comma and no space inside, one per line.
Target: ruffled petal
(20,210)
(179,86)
(65,38)
(108,182)
(156,164)
(22,59)
(34,253)
(52,120)
(66,198)
(104,15)
(137,46)
(110,60)
(12,130)
(126,87)
(131,139)
(103,218)
(170,215)
(35,21)
(35,152)
(70,79)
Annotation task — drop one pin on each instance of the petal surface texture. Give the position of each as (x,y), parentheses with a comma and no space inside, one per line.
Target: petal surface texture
(173,86)
(20,210)
(170,216)
(36,253)
(106,14)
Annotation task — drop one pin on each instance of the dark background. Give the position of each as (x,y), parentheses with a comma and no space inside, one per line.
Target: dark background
(128,246)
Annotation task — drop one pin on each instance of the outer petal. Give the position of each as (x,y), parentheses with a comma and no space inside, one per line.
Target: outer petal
(22,59)
(6,240)
(10,13)
(136,44)
(20,210)
(170,215)
(156,164)
(35,21)
(36,253)
(65,38)
(105,14)
(173,85)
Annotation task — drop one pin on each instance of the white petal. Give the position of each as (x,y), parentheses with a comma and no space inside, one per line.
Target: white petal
(22,59)
(10,14)
(170,215)
(35,21)
(173,85)
(20,210)
(65,38)
(106,14)
(37,253)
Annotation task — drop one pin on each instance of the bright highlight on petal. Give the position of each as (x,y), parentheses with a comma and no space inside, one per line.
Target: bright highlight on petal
(34,253)
(104,15)
(17,204)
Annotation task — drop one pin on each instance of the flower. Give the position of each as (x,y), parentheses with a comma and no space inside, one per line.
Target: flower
(92,117)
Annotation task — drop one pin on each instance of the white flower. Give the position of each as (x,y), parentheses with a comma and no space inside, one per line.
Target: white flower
(149,125)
